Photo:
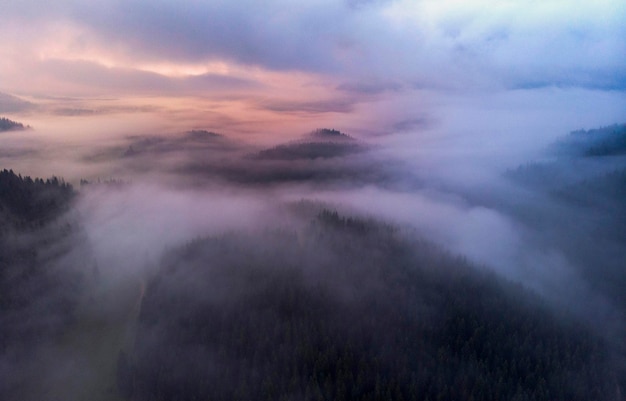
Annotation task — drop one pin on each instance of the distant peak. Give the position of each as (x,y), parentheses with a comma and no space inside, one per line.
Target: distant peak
(327,133)
(201,134)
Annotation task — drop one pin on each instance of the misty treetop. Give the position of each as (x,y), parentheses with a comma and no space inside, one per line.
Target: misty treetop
(322,143)
(330,135)
(33,201)
(202,135)
(597,142)
(10,125)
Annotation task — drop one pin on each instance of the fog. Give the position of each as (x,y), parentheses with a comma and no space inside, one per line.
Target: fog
(356,199)
(446,175)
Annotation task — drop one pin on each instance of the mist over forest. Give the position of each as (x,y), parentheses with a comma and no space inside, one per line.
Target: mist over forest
(198,266)
(313,200)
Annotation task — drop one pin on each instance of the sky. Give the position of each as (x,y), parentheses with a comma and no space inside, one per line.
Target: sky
(278,67)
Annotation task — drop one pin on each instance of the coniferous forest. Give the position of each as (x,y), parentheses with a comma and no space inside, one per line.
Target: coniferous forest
(346,310)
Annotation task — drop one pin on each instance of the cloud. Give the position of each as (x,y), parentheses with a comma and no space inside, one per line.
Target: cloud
(13,104)
(594,80)
(369,88)
(366,3)
(277,34)
(101,110)
(312,107)
(127,80)
(132,224)
(412,124)
(448,44)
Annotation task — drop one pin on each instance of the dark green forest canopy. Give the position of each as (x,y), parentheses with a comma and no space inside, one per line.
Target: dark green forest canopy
(350,309)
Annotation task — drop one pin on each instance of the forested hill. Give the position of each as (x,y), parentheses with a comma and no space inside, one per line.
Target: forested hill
(9,125)
(586,167)
(322,143)
(349,309)
(310,150)
(581,208)
(27,201)
(605,141)
(330,134)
